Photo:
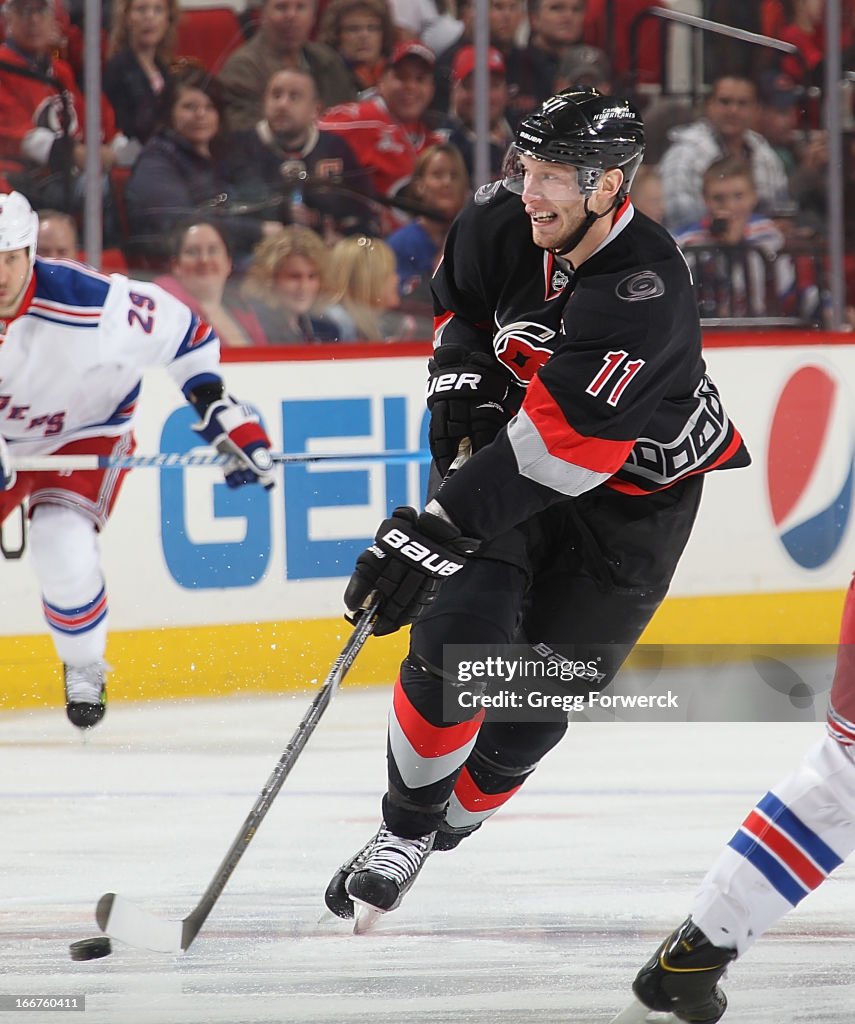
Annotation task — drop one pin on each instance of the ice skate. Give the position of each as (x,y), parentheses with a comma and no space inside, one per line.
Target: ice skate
(85,694)
(682,977)
(377,877)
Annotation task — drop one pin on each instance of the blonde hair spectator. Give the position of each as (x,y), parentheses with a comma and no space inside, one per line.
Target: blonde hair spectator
(286,286)
(272,253)
(364,284)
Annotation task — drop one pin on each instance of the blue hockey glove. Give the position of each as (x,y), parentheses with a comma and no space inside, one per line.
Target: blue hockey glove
(234,430)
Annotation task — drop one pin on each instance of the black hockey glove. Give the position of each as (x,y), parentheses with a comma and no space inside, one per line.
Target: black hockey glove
(410,557)
(465,392)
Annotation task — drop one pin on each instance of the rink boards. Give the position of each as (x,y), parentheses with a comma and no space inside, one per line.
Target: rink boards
(213,591)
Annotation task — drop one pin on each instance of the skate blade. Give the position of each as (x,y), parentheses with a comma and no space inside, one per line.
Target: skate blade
(638,1013)
(365,917)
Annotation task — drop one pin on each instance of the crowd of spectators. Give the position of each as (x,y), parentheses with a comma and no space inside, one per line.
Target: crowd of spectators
(296,185)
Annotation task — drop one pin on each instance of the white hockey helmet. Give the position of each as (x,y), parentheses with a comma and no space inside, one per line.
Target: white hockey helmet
(19,224)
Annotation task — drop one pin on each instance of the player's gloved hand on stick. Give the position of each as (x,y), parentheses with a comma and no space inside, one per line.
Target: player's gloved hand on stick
(465,392)
(410,557)
(235,430)
(8,476)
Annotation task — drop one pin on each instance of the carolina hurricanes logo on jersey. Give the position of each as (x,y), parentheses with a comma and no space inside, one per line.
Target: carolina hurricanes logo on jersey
(641,286)
(50,114)
(523,348)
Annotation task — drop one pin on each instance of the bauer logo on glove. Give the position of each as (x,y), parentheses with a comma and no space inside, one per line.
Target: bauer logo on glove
(465,395)
(410,557)
(453,382)
(426,557)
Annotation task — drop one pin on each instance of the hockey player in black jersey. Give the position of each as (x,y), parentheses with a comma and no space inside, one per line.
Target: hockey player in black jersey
(568,349)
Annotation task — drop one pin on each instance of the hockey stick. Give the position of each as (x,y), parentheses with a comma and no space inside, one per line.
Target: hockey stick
(123,920)
(198,457)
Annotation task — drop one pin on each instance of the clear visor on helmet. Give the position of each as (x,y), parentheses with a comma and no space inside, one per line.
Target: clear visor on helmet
(545,179)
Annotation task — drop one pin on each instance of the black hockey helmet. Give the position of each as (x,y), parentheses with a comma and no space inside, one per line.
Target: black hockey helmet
(585,129)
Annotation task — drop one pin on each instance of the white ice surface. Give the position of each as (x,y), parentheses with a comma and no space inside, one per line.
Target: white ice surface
(544,916)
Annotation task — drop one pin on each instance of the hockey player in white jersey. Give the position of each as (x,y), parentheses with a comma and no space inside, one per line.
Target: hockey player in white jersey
(787,846)
(73,346)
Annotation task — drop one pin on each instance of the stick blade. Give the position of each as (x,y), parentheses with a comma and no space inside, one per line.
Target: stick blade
(125,921)
(638,1013)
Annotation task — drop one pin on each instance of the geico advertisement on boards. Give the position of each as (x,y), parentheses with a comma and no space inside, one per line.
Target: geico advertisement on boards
(183,549)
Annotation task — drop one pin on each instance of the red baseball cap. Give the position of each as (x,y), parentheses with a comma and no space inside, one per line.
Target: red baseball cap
(412,49)
(464,62)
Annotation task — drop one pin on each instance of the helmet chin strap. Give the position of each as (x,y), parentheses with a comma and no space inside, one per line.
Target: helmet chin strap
(584,227)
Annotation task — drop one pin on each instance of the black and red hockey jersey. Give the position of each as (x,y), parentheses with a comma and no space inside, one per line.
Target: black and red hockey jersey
(616,393)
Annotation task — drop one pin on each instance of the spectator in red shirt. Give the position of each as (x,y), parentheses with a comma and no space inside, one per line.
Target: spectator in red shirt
(804,29)
(388,131)
(42,111)
(612,34)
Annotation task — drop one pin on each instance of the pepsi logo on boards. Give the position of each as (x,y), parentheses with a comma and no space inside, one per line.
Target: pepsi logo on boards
(809,468)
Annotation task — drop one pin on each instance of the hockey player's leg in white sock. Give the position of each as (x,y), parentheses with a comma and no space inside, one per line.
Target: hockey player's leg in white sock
(786,847)
(67,562)
(799,832)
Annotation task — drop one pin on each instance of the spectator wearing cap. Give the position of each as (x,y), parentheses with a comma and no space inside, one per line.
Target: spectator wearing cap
(42,112)
(363,34)
(584,65)
(504,20)
(460,125)
(778,116)
(388,131)
(731,109)
(282,41)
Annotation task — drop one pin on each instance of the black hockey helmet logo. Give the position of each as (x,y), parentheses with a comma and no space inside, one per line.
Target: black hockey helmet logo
(584,129)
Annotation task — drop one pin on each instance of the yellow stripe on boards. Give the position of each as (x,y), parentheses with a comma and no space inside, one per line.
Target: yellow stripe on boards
(271,657)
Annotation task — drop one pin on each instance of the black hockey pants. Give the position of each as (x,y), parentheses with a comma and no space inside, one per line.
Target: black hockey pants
(590,572)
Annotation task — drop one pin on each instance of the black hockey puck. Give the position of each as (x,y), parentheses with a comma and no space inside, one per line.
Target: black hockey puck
(91,949)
